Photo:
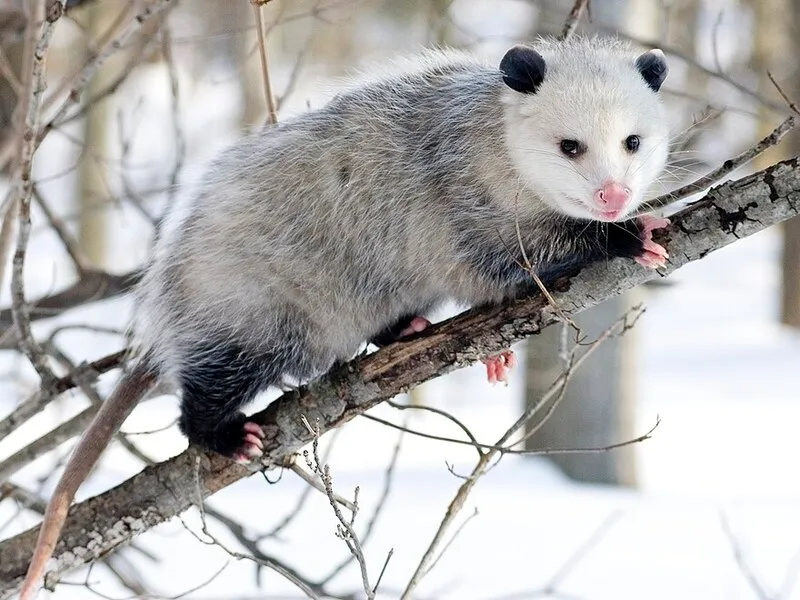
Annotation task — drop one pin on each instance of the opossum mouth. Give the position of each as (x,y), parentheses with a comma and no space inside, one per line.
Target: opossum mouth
(608,215)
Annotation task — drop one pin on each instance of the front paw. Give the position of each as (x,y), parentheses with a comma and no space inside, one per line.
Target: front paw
(653,255)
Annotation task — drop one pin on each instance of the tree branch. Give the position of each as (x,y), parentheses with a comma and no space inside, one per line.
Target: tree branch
(100,525)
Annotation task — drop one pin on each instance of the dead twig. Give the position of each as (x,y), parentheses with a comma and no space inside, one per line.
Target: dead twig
(552,396)
(728,167)
(269,96)
(344,528)
(572,19)
(40,29)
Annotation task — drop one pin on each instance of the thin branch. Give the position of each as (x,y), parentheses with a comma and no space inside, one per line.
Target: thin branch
(318,485)
(387,485)
(728,167)
(269,96)
(41,27)
(553,395)
(71,245)
(741,562)
(344,529)
(39,400)
(572,19)
(279,568)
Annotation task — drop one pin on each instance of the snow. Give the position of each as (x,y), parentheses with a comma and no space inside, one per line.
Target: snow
(713,364)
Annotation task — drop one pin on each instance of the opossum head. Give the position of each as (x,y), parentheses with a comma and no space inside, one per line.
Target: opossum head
(585,127)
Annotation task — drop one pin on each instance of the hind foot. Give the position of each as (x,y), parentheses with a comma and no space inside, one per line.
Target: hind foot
(253,446)
(404,327)
(237,438)
(499,366)
(654,255)
(416,325)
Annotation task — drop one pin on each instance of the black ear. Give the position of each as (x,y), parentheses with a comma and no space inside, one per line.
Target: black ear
(653,67)
(523,69)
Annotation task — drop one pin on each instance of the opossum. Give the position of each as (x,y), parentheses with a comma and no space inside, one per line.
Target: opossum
(350,223)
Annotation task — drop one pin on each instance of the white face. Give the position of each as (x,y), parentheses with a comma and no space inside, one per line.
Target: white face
(590,142)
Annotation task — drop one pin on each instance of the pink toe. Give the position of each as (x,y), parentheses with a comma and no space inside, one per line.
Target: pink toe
(419,324)
(254,429)
(252,451)
(650,223)
(240,458)
(491,370)
(253,440)
(651,246)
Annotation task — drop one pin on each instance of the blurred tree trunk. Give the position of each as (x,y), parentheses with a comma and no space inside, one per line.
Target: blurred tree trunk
(92,172)
(599,405)
(790,262)
(12,26)
(772,46)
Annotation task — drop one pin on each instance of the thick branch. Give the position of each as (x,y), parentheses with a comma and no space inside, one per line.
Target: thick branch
(102,524)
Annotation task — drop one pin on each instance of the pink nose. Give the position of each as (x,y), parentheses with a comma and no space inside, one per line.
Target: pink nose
(612,197)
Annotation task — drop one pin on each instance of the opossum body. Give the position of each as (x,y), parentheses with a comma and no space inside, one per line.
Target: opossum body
(349,223)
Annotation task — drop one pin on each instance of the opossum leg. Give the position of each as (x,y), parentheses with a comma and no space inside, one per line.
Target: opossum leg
(404,327)
(634,239)
(216,381)
(499,365)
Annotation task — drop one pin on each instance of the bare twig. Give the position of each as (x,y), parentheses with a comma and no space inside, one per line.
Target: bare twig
(41,27)
(276,566)
(269,96)
(728,167)
(71,245)
(741,562)
(555,392)
(572,19)
(38,400)
(344,529)
(118,35)
(387,484)
(287,520)
(318,485)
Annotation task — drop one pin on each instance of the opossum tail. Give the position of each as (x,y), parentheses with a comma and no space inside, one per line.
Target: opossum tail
(131,388)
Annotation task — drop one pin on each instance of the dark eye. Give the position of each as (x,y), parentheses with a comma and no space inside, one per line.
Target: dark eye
(572,148)
(632,143)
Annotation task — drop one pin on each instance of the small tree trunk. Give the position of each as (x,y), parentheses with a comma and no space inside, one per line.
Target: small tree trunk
(598,407)
(772,44)
(93,186)
(790,261)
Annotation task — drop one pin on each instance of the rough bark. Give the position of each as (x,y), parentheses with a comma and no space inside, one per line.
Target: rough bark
(103,523)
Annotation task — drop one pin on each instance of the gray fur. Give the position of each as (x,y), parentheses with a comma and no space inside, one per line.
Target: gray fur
(311,237)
